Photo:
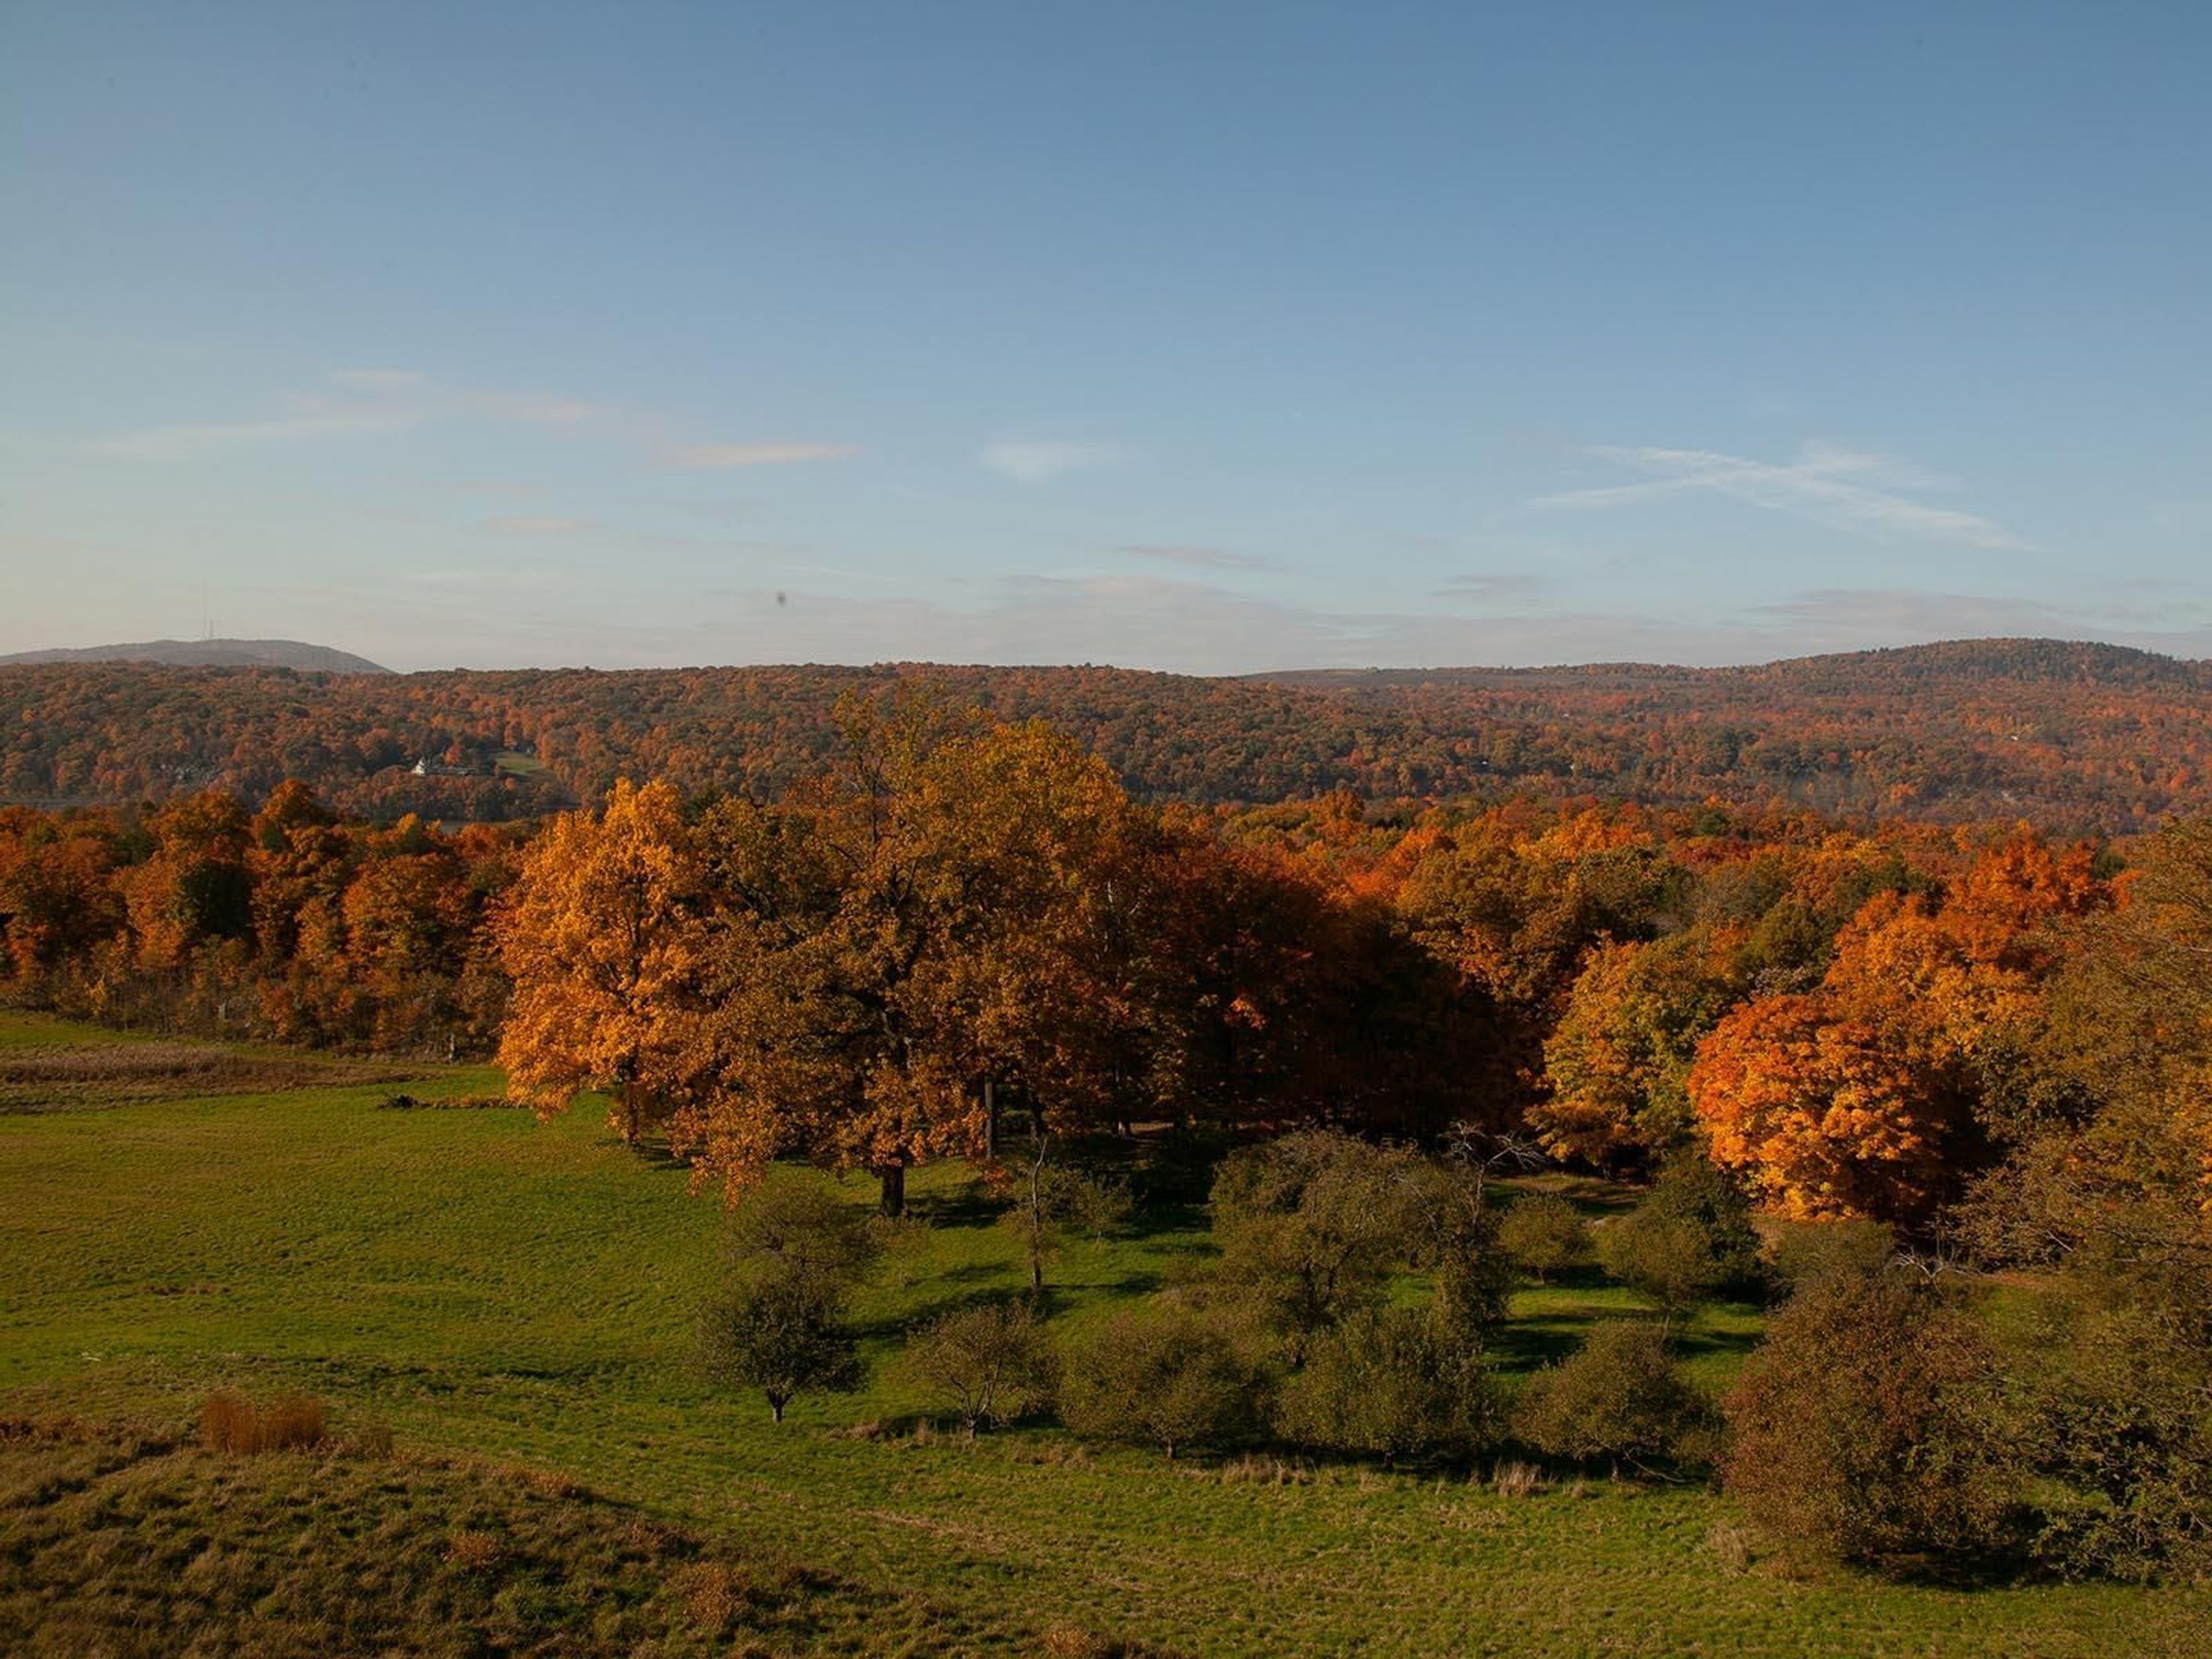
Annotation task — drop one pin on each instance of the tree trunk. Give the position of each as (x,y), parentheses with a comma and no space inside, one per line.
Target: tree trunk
(990,1119)
(775,1408)
(630,1112)
(894,1200)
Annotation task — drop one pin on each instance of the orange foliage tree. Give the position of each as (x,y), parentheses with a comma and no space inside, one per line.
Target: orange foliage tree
(602,938)
(1861,1096)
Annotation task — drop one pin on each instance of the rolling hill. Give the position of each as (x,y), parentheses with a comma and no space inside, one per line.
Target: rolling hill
(214,653)
(2063,734)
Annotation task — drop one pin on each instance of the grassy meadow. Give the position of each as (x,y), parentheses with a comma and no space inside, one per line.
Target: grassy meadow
(500,1293)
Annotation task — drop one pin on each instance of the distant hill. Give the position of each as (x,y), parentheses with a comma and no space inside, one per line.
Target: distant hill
(215,654)
(2074,736)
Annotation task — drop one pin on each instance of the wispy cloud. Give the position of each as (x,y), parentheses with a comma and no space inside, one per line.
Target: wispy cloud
(379,379)
(524,525)
(365,403)
(722,458)
(1042,461)
(1199,559)
(1500,588)
(1843,488)
(536,409)
(163,443)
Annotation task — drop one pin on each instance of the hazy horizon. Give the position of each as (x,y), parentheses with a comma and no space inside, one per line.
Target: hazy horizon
(1216,340)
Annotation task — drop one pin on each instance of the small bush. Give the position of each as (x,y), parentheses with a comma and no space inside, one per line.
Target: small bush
(1619,1396)
(1803,1253)
(990,1365)
(229,1422)
(780,1335)
(795,1228)
(1394,1385)
(1545,1235)
(1163,1376)
(1666,1259)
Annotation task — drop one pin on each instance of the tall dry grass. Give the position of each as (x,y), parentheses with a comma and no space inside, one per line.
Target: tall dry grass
(229,1422)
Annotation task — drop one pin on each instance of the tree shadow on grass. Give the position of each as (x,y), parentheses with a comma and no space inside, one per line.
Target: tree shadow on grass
(977,1285)
(1584,1277)
(1528,1345)
(651,1152)
(1698,1345)
(972,1207)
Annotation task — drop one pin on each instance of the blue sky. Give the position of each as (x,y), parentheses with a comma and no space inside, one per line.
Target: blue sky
(1199,336)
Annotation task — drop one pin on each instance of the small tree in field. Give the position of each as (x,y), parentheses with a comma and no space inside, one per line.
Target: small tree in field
(780,1335)
(1666,1259)
(1166,1378)
(1544,1235)
(1051,1200)
(1311,1224)
(1619,1395)
(990,1364)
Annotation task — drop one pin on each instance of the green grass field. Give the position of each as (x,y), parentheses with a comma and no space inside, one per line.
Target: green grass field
(486,1284)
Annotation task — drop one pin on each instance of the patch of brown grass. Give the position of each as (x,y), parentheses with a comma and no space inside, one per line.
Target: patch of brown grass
(474,1552)
(1513,1479)
(231,1422)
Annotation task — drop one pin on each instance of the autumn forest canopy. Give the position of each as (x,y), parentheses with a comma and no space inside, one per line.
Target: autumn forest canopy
(2071,736)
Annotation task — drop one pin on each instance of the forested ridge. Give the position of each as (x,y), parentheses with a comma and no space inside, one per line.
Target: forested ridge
(2067,735)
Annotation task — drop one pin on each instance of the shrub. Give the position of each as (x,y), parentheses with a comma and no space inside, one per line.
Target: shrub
(1668,1260)
(1692,1188)
(1311,1224)
(1455,1234)
(229,1422)
(1868,1425)
(1804,1253)
(1394,1385)
(1621,1396)
(779,1334)
(990,1365)
(798,1229)
(1544,1234)
(1163,1376)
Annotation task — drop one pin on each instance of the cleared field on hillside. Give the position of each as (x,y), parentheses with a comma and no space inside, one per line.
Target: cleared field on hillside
(484,1283)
